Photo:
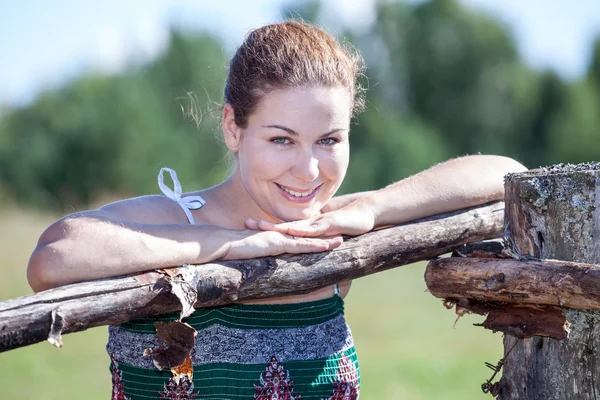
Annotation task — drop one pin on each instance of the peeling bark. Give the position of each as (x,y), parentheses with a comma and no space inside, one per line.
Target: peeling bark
(27,320)
(176,343)
(527,321)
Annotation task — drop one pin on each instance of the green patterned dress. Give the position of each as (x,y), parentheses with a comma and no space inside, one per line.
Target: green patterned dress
(285,351)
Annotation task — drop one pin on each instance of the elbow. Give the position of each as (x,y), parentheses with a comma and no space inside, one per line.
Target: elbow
(501,167)
(487,173)
(47,260)
(42,267)
(497,165)
(508,165)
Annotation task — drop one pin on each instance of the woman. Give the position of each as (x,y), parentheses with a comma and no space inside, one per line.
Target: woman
(290,94)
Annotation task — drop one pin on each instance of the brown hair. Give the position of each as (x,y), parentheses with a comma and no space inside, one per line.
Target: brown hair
(287,55)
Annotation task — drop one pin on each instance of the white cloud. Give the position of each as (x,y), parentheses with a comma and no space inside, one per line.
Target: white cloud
(359,14)
(111,50)
(150,36)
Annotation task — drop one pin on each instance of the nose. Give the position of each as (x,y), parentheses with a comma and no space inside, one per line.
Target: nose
(307,167)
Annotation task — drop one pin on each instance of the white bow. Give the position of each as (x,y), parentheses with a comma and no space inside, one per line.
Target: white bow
(187,203)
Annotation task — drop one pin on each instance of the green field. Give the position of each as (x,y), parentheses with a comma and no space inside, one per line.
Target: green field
(407,346)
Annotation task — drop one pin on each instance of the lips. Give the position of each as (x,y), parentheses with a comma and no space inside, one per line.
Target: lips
(297,194)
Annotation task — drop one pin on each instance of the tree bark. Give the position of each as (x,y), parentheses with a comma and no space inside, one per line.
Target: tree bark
(555,214)
(47,315)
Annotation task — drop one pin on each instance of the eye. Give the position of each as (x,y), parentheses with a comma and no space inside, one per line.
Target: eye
(280,140)
(328,141)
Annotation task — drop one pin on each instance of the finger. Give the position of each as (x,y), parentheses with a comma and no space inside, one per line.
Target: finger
(251,224)
(270,226)
(335,242)
(303,245)
(317,228)
(305,231)
(310,245)
(306,228)
(267,226)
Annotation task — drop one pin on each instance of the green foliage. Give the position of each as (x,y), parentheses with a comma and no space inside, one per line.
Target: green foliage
(459,72)
(594,71)
(112,133)
(386,148)
(574,134)
(444,81)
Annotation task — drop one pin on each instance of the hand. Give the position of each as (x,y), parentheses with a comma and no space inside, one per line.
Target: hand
(252,244)
(354,219)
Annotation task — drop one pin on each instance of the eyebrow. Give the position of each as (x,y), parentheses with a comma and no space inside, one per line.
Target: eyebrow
(294,133)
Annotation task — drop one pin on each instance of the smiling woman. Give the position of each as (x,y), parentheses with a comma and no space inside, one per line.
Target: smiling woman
(293,154)
(290,94)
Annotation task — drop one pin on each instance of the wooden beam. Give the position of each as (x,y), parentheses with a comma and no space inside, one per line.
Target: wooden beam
(47,315)
(550,282)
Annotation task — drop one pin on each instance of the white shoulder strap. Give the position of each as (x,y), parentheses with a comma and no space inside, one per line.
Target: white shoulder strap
(187,203)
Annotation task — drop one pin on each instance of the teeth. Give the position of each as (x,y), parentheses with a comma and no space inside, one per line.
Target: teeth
(297,194)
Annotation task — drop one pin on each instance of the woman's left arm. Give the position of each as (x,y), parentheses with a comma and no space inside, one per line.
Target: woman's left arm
(452,185)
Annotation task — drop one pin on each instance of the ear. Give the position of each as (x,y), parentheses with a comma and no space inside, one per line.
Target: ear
(232,133)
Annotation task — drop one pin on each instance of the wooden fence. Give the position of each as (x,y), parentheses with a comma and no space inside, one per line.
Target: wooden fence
(540,286)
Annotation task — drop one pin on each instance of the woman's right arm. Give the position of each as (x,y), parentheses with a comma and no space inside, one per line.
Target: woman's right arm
(142,234)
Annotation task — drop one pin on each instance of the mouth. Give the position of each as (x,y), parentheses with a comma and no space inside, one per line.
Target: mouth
(298,195)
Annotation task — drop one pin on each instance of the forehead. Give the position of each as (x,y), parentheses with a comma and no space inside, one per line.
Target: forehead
(305,105)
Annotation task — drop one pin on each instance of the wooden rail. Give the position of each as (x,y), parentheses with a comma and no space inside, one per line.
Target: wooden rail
(72,308)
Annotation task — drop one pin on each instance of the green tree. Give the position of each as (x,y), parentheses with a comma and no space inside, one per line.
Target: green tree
(104,134)
(573,134)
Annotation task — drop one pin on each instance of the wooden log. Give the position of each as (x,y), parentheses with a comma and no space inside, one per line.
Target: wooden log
(549,282)
(554,213)
(72,308)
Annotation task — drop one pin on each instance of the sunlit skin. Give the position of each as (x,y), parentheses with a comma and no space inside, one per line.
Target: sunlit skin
(293,154)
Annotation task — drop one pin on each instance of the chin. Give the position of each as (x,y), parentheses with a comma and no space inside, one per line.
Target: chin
(298,215)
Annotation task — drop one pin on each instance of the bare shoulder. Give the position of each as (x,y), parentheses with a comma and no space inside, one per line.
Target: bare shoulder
(152,209)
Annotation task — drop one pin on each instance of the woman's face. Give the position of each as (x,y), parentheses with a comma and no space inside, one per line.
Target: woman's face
(293,155)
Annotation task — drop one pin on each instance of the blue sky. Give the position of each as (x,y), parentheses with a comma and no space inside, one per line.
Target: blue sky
(44,43)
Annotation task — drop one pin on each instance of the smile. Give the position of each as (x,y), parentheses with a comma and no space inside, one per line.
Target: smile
(298,195)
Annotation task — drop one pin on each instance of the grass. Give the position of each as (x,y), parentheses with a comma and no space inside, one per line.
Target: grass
(405,339)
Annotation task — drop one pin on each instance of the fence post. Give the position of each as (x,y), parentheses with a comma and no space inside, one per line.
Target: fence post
(554,213)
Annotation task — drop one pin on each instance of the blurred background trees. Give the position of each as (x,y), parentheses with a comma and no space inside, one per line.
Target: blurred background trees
(443,81)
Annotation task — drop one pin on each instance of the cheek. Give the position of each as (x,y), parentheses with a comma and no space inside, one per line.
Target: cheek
(259,163)
(267,166)
(336,164)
